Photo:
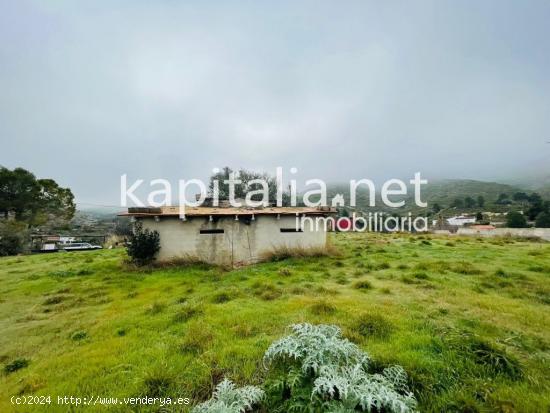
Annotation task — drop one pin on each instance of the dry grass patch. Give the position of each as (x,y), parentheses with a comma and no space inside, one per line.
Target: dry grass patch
(284,253)
(322,307)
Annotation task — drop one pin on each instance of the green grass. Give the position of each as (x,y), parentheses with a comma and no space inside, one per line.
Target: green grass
(467,320)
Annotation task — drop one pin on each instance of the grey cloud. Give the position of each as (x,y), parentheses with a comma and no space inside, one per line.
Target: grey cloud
(348,90)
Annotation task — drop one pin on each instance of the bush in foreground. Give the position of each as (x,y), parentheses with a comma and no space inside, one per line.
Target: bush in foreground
(144,245)
(315,369)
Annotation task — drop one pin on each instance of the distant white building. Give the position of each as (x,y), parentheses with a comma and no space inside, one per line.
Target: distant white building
(461,220)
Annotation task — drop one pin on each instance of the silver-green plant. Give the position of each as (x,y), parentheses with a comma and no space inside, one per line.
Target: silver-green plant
(339,371)
(228,398)
(315,346)
(320,371)
(353,387)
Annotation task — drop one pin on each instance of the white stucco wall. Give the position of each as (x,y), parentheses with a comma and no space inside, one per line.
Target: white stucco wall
(543,233)
(239,244)
(460,221)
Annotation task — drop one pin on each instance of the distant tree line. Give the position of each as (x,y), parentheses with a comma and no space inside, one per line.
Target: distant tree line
(537,210)
(534,208)
(468,202)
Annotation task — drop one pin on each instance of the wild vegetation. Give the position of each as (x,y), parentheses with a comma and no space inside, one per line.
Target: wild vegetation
(466,318)
(316,369)
(28,203)
(143,245)
(455,196)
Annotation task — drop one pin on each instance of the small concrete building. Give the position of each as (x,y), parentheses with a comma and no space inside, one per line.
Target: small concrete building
(231,236)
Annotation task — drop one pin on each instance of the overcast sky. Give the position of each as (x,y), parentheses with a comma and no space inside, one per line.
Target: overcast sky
(340,90)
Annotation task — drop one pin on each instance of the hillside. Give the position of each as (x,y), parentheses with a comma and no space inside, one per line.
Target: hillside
(544,191)
(443,192)
(467,318)
(99,212)
(446,191)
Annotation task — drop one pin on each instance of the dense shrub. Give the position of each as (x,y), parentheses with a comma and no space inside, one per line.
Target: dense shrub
(543,220)
(13,238)
(515,220)
(144,245)
(15,365)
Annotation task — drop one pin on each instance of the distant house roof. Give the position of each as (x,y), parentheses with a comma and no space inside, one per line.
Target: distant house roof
(206,211)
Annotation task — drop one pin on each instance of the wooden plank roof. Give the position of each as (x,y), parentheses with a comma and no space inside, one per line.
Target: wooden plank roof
(206,211)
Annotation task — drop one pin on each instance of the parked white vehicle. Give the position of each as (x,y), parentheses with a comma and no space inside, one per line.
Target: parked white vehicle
(81,246)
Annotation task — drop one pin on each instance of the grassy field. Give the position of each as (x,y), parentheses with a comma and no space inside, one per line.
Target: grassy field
(467,318)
